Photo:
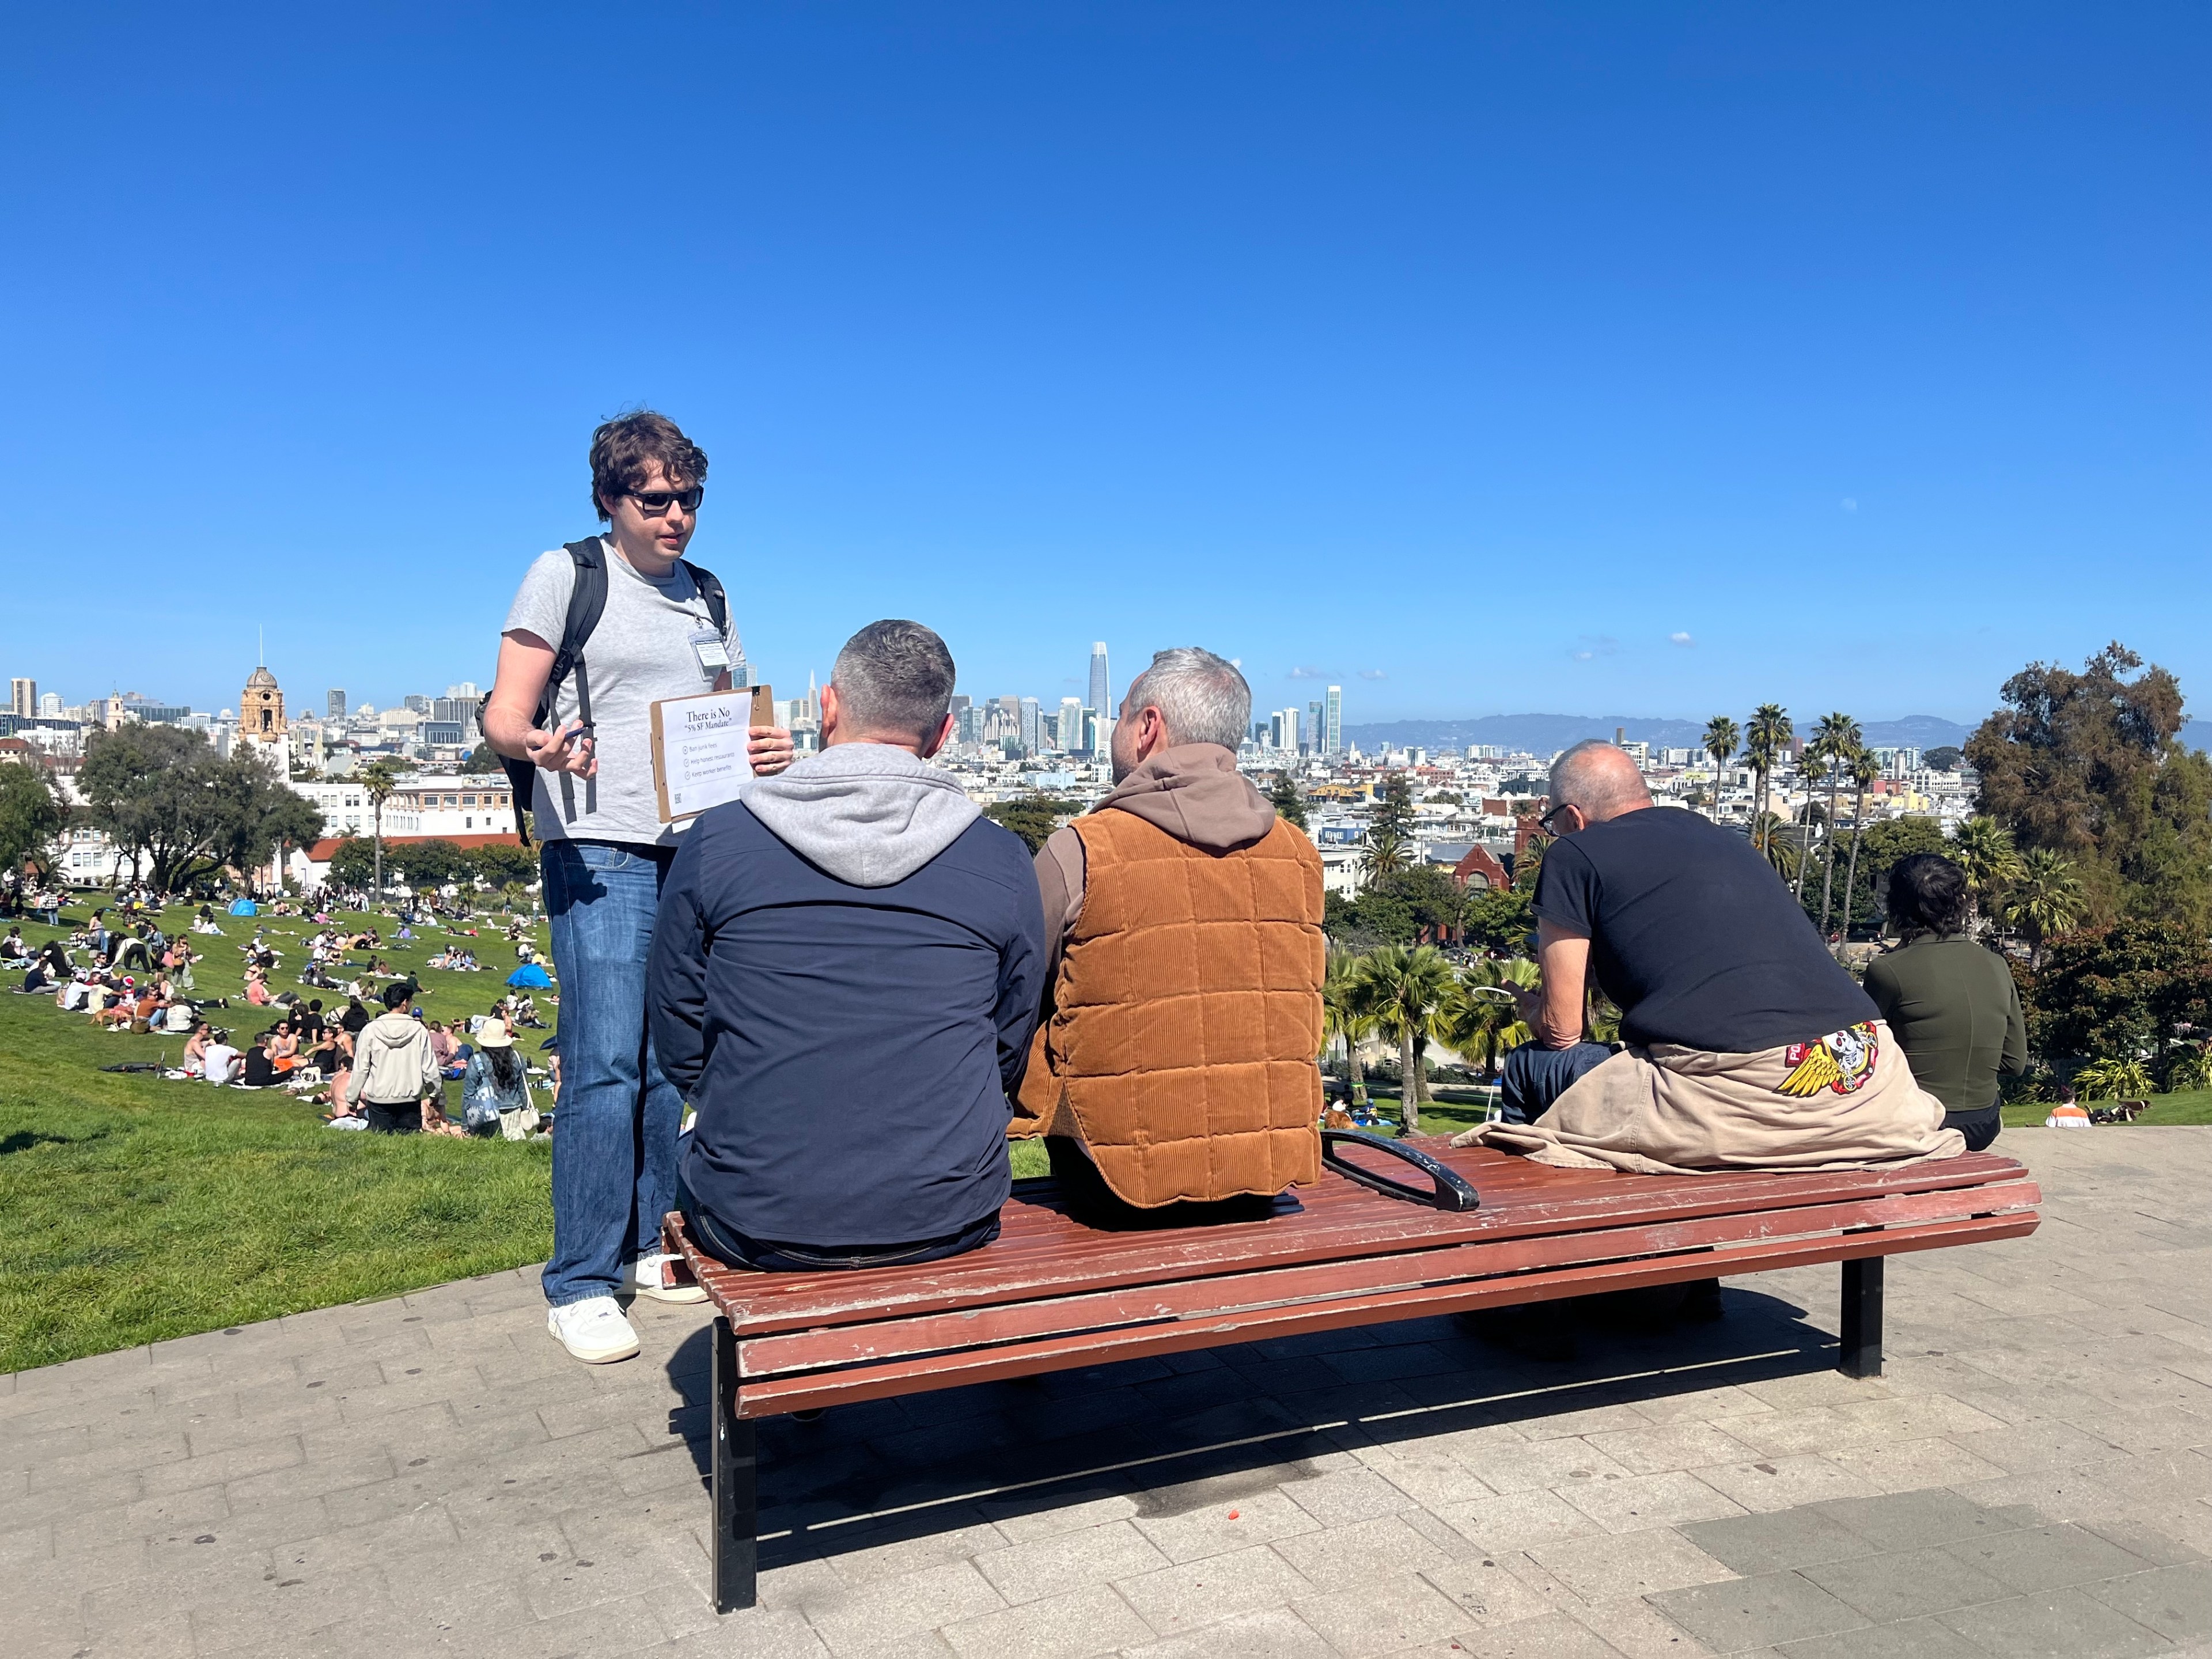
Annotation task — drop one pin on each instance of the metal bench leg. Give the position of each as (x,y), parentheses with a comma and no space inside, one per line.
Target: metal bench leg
(736,1526)
(1862,1345)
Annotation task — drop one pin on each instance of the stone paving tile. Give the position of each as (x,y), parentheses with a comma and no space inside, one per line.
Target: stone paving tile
(1342,1557)
(1071,1625)
(1057,1565)
(1382,1614)
(2044,1557)
(1605,1569)
(1910,1639)
(1762,1612)
(1189,1594)
(1277,1633)
(1648,1500)
(1907,1584)
(2059,1623)
(2175,1601)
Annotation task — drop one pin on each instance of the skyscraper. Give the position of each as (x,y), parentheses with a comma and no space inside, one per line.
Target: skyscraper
(1029,737)
(1283,731)
(1101,689)
(334,703)
(1071,723)
(1332,737)
(23,697)
(1317,723)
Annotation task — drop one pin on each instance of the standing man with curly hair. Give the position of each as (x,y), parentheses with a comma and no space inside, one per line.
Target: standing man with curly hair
(653,625)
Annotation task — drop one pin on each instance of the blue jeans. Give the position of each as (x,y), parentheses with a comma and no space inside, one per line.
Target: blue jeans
(1534,1077)
(614,1139)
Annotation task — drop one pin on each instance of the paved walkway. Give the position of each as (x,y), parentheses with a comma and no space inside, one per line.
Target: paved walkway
(432,1475)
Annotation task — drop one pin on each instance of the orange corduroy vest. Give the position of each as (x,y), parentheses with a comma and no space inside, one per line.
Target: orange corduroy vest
(1186,1015)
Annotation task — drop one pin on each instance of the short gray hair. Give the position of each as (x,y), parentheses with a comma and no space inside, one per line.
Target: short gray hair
(1202,697)
(895,677)
(1599,776)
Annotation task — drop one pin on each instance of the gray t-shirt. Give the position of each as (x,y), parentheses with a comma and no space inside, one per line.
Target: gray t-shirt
(641,651)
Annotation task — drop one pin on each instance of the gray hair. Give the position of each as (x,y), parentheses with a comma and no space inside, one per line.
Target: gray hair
(895,677)
(1599,777)
(1202,697)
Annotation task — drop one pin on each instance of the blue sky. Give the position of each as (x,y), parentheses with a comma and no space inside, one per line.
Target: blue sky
(1465,354)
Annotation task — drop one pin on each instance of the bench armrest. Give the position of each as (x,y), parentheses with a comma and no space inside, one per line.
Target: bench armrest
(1452,1190)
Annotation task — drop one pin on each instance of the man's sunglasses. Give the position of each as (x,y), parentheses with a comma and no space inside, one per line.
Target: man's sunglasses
(654,503)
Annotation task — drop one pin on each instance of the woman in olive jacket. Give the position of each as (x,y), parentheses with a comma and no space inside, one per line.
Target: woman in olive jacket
(1951,1002)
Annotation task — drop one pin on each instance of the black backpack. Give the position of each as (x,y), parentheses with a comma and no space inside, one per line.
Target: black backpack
(587,600)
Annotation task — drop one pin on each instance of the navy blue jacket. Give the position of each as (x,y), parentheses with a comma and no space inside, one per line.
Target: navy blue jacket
(849,1050)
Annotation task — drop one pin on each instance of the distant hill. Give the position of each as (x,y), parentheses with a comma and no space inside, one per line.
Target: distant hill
(1546,734)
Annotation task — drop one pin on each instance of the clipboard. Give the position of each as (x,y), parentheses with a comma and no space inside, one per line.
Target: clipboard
(698,745)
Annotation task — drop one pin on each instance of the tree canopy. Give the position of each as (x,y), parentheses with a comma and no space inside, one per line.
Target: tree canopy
(1290,805)
(2131,991)
(2089,766)
(179,812)
(1032,817)
(1944,758)
(32,813)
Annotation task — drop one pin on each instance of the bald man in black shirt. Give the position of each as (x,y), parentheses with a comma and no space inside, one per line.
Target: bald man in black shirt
(1731,1007)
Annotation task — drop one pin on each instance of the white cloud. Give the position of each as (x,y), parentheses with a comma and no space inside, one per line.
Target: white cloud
(1680,639)
(1373,674)
(1304,673)
(1850,504)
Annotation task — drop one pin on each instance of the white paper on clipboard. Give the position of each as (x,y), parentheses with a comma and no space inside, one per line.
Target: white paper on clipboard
(700,753)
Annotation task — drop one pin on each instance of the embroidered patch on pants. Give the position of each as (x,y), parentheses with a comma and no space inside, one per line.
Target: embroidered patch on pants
(1842,1061)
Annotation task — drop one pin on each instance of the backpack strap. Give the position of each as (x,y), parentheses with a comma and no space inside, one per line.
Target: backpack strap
(710,589)
(588,602)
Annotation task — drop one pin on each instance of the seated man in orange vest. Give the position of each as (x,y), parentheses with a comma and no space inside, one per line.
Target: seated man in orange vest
(1173,1074)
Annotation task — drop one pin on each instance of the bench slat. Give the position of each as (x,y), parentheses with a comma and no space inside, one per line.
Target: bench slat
(891,1337)
(1049,1256)
(775,1395)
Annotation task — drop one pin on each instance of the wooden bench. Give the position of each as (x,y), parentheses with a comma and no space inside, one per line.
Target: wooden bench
(1051,1295)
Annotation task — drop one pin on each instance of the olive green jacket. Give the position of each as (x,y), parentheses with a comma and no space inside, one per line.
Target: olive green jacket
(1955,1011)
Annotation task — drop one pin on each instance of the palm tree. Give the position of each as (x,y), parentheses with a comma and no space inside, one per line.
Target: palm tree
(1836,740)
(1864,770)
(1814,769)
(1345,1015)
(1403,986)
(2045,899)
(1780,852)
(1387,852)
(379,780)
(1721,735)
(1479,1016)
(1984,850)
(1764,742)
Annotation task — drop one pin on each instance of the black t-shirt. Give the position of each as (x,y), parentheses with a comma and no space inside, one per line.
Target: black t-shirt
(1695,935)
(259,1073)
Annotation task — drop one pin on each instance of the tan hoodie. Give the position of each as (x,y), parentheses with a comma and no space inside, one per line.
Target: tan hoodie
(1193,791)
(393,1062)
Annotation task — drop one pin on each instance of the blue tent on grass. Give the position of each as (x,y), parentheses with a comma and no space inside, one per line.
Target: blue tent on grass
(531,975)
(244,908)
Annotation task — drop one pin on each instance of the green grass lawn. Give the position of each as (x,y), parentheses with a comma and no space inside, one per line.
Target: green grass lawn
(132,1208)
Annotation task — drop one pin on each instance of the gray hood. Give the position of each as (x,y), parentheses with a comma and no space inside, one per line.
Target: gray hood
(867,813)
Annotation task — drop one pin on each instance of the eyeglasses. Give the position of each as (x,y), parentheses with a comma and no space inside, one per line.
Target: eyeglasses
(654,503)
(1545,822)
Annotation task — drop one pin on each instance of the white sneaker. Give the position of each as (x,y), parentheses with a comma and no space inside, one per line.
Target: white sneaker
(592,1330)
(664,1278)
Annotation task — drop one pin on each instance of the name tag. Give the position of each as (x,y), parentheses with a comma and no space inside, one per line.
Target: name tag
(714,656)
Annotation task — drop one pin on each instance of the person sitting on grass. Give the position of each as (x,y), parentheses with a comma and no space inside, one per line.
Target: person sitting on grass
(220,1063)
(394,1071)
(194,1063)
(13,953)
(260,1072)
(495,1088)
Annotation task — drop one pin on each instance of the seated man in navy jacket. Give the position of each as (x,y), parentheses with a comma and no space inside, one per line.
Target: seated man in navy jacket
(845,974)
